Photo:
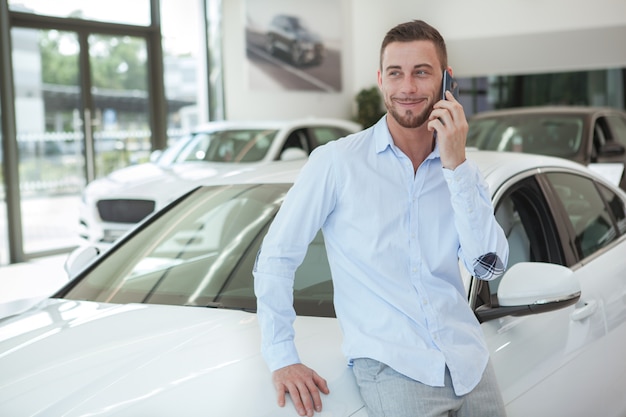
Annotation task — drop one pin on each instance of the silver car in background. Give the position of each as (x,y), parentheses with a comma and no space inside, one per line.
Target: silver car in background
(592,136)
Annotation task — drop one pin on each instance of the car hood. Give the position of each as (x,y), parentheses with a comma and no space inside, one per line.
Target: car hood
(77,358)
(150,181)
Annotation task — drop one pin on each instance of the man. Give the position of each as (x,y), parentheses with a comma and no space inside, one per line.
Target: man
(399,205)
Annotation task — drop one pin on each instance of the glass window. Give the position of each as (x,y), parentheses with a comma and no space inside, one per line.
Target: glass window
(227,146)
(586,210)
(323,134)
(120,123)
(618,128)
(296,139)
(196,149)
(136,12)
(592,88)
(556,135)
(49,136)
(201,253)
(192,251)
(525,218)
(617,206)
(184,64)
(510,220)
(4,233)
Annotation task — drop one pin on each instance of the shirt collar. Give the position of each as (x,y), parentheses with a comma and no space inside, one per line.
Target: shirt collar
(383,139)
(382,136)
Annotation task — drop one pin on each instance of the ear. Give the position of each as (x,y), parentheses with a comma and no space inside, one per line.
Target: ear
(379,77)
(449,69)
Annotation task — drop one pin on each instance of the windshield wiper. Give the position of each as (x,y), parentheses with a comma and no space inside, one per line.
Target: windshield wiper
(217,304)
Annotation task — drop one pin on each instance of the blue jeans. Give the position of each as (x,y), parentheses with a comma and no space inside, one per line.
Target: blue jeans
(388,393)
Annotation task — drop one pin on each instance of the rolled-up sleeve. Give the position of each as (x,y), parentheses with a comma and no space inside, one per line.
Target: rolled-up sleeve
(484,249)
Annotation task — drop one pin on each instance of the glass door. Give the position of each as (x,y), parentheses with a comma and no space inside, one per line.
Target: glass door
(4,234)
(81,105)
(119,91)
(49,135)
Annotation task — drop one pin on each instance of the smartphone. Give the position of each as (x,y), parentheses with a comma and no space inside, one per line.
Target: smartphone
(450,84)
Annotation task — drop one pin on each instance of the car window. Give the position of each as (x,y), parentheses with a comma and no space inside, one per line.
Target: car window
(313,287)
(169,154)
(528,225)
(556,135)
(239,145)
(508,216)
(325,134)
(202,252)
(297,139)
(599,139)
(195,149)
(187,255)
(618,127)
(617,208)
(586,210)
(228,146)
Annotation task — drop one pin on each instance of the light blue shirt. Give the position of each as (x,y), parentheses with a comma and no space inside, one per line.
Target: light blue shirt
(394,239)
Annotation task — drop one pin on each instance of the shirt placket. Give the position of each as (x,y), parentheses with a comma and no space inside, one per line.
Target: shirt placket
(418,276)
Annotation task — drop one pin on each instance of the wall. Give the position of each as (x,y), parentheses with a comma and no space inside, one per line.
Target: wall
(485,37)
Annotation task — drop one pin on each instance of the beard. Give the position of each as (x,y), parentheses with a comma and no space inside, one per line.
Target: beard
(409,119)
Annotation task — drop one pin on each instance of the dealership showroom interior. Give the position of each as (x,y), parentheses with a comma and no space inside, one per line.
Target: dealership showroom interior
(146,146)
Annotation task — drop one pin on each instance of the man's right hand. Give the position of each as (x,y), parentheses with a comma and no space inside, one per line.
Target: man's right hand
(303,385)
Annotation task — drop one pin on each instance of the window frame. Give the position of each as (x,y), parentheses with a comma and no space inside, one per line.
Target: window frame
(565,224)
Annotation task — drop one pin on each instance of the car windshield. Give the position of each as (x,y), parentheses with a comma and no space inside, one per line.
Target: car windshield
(241,145)
(200,252)
(300,25)
(556,135)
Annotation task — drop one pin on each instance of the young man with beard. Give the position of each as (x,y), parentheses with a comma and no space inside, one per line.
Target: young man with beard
(399,204)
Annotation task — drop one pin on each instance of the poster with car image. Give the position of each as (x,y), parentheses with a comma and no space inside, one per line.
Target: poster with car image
(294,45)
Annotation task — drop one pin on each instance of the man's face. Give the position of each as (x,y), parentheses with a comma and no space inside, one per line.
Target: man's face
(410,81)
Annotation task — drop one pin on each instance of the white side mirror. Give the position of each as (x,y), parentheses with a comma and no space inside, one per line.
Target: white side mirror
(79,259)
(291,154)
(537,283)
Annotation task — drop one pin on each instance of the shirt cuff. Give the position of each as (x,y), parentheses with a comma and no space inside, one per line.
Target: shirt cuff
(280,354)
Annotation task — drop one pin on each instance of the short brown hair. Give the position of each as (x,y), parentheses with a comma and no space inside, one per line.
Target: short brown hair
(416,30)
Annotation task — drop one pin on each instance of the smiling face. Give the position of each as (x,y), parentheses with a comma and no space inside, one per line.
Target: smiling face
(410,81)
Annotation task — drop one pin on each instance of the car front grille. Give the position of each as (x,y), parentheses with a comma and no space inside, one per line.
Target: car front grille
(124,211)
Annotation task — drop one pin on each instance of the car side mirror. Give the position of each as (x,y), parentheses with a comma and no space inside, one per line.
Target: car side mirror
(291,154)
(79,258)
(611,148)
(531,288)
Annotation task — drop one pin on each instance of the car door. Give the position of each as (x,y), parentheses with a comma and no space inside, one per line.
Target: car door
(548,364)
(596,218)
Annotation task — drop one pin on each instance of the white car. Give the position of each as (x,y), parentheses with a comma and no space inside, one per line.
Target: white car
(164,322)
(112,205)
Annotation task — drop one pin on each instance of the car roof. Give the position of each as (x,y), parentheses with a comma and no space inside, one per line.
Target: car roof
(563,110)
(495,166)
(276,124)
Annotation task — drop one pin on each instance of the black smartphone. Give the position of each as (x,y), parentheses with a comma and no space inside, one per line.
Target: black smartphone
(450,84)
